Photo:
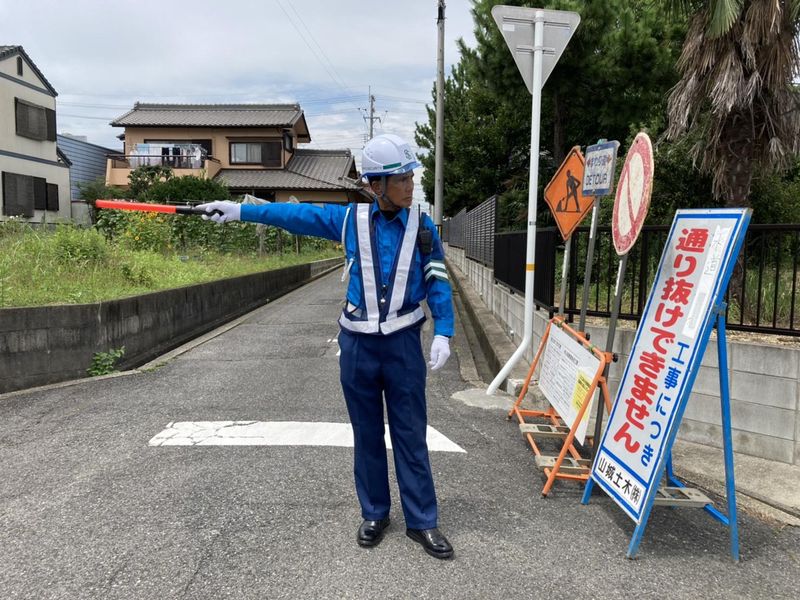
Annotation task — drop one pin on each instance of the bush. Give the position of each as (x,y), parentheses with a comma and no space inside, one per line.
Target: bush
(104,363)
(146,231)
(81,245)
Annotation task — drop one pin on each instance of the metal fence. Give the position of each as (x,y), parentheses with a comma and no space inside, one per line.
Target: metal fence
(454,229)
(474,231)
(763,295)
(509,263)
(480,230)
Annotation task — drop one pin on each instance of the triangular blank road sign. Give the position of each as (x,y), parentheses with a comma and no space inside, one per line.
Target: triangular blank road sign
(516,24)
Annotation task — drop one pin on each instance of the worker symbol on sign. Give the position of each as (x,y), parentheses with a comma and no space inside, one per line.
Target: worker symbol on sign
(573,184)
(564,194)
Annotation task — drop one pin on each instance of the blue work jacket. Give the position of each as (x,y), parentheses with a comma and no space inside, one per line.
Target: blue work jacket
(427,278)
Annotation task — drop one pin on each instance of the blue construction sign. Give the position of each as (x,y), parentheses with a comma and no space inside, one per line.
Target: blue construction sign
(673,333)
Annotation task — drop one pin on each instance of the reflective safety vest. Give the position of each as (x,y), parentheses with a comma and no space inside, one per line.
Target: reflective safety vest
(387,310)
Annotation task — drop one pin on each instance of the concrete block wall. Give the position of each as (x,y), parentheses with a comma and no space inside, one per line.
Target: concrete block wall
(764,379)
(48,344)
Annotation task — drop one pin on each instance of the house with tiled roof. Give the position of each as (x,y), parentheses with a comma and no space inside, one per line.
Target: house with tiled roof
(34,174)
(252,148)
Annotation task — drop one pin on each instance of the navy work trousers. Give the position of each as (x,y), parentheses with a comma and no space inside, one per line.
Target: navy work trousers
(390,366)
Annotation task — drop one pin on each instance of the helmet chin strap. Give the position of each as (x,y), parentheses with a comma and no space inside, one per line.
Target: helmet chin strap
(385,197)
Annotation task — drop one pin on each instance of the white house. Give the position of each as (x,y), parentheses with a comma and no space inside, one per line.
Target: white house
(34,174)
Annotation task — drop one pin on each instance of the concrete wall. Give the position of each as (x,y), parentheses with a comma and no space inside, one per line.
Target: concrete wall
(49,344)
(764,379)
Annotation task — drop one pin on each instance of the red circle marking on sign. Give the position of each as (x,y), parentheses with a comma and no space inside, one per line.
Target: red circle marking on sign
(633,194)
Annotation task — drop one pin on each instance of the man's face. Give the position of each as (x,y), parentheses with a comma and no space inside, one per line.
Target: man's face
(399,189)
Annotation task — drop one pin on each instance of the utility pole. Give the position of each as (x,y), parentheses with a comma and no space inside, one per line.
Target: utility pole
(371,118)
(439,166)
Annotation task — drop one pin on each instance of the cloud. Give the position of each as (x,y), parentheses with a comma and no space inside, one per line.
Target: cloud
(103,56)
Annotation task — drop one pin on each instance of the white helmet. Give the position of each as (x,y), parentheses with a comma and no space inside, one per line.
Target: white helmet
(387,154)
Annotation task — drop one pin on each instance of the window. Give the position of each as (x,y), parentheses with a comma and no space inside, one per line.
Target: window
(19,66)
(35,122)
(22,194)
(267,154)
(52,197)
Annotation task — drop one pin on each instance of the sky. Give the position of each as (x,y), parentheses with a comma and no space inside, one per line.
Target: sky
(102,56)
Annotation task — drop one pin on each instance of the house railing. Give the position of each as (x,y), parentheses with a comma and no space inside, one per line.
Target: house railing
(178,156)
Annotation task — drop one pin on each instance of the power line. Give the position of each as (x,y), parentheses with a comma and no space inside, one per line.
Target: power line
(322,51)
(314,52)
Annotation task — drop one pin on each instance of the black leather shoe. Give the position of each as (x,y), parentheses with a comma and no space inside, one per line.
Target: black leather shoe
(433,541)
(371,532)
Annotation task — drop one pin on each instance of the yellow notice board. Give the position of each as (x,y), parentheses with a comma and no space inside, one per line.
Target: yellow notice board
(566,376)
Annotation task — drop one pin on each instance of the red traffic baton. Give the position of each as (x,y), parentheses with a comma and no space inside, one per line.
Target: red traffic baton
(160,208)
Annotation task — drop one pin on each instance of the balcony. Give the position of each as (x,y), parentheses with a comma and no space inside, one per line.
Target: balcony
(183,159)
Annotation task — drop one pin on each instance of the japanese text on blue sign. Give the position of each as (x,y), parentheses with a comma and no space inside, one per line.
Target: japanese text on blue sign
(598,173)
(664,354)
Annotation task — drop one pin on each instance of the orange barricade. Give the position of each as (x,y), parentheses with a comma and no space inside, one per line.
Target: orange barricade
(573,467)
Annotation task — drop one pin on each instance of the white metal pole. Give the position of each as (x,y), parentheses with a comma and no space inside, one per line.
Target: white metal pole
(439,153)
(533,184)
(564,276)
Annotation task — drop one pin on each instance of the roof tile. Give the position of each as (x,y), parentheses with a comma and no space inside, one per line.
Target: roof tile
(210,115)
(307,170)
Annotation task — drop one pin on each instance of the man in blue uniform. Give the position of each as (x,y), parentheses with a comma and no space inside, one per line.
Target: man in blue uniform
(395,261)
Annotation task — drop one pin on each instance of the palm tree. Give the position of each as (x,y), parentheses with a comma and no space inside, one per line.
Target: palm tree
(738,64)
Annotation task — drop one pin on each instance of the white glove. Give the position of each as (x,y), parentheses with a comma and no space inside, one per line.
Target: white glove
(440,352)
(226,211)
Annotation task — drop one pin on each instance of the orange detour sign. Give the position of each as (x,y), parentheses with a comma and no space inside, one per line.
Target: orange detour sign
(564,194)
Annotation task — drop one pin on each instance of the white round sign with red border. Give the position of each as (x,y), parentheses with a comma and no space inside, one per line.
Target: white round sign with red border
(633,194)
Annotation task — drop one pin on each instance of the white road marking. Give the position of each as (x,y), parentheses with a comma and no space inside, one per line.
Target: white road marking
(275,433)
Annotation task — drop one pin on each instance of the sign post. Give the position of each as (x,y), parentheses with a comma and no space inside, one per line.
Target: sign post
(598,181)
(630,209)
(569,206)
(685,303)
(536,39)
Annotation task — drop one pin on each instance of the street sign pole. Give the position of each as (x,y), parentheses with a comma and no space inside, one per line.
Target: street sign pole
(551,31)
(612,331)
(564,276)
(561,195)
(598,181)
(533,185)
(630,209)
(587,276)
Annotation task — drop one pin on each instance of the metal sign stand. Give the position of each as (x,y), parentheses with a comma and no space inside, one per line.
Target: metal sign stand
(561,466)
(635,454)
(693,498)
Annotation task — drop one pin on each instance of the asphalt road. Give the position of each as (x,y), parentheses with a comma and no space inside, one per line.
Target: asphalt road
(89,510)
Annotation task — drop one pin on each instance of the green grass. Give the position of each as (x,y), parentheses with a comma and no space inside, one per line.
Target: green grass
(75,266)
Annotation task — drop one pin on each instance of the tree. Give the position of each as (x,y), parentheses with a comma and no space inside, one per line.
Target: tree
(738,62)
(615,73)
